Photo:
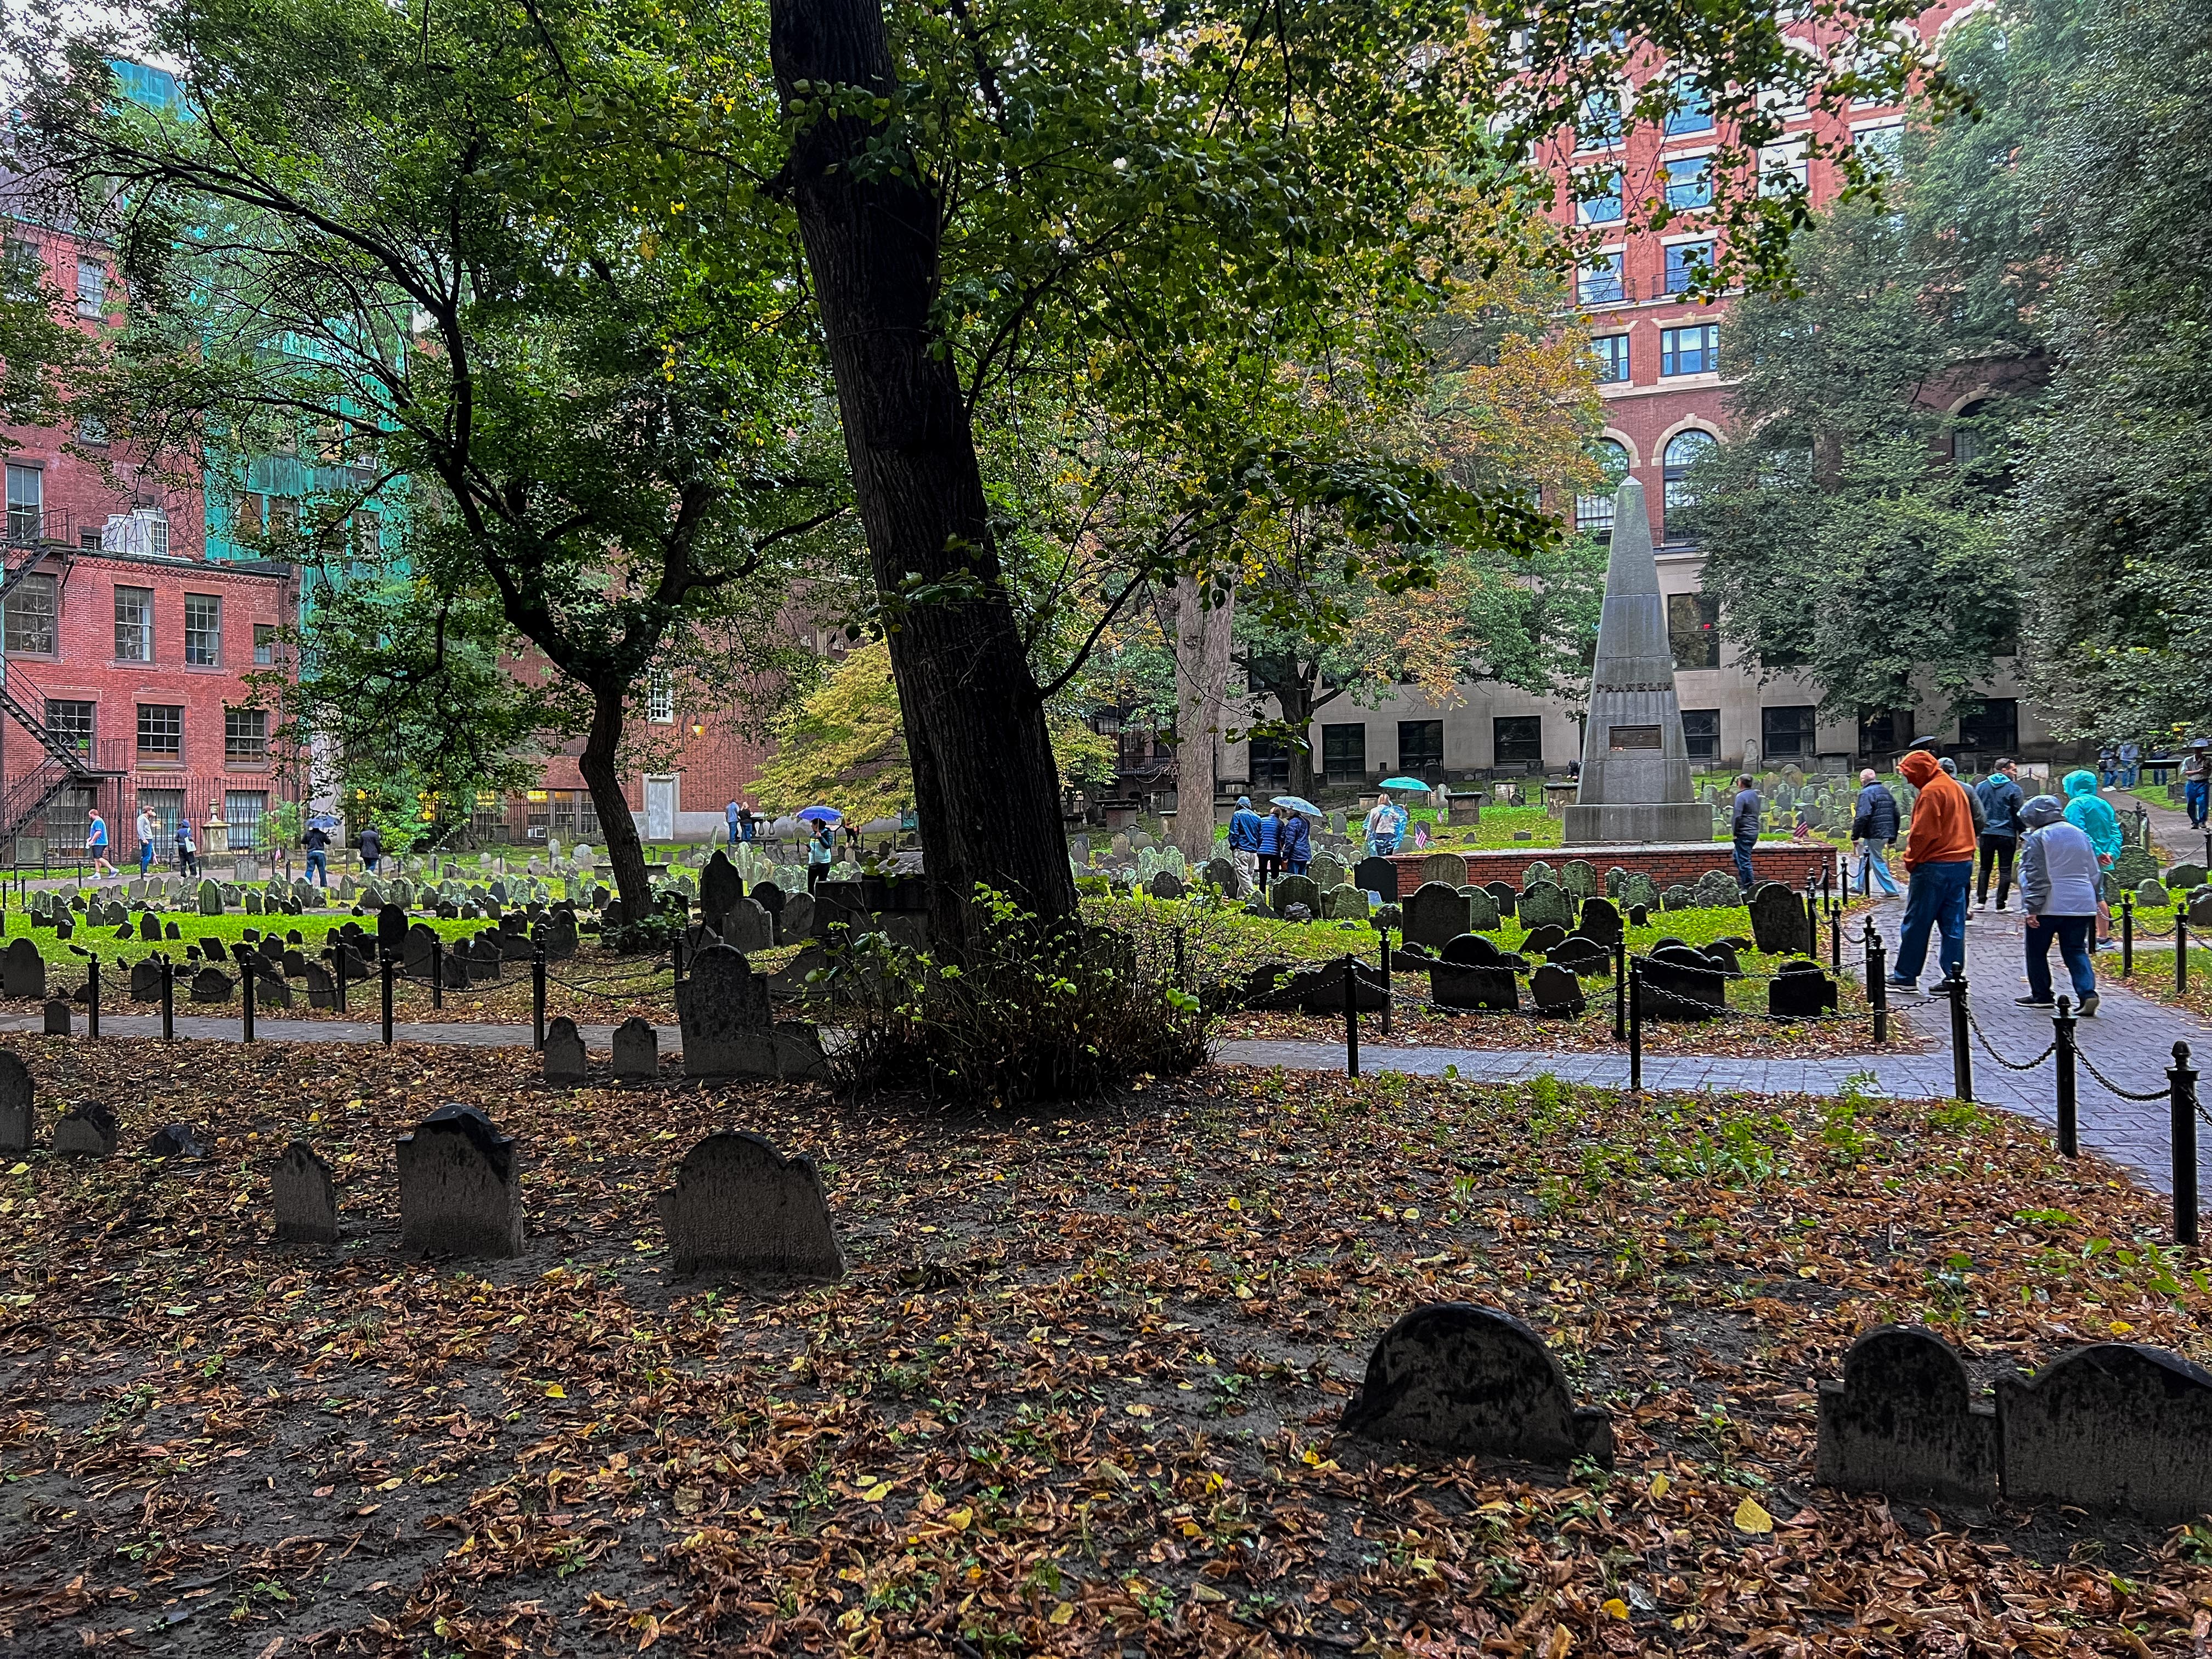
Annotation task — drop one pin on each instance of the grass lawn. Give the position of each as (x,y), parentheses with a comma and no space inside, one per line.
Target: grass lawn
(1078,1394)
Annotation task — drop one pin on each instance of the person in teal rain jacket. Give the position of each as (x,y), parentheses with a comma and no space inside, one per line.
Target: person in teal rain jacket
(2092,814)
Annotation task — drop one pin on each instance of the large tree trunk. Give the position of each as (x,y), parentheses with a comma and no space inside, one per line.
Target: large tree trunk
(600,765)
(986,789)
(1201,656)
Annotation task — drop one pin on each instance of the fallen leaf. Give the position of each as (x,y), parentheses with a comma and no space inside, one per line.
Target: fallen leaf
(1752,1518)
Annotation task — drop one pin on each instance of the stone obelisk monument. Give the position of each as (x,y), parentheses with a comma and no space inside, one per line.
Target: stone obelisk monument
(1635,784)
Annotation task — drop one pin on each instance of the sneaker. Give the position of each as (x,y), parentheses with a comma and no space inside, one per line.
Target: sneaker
(2089,1008)
(1896,984)
(2004,909)
(2037,1002)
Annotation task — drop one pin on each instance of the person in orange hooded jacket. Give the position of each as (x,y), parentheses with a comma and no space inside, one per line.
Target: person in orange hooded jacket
(1939,863)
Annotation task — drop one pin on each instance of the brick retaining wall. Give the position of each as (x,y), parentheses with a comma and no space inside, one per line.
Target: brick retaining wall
(1667,865)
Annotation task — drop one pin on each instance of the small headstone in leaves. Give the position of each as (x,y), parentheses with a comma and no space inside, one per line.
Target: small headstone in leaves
(637,1049)
(23,971)
(1800,991)
(565,1060)
(1461,1378)
(460,1192)
(90,1130)
(740,1208)
(1556,991)
(212,984)
(176,1140)
(18,1103)
(57,1017)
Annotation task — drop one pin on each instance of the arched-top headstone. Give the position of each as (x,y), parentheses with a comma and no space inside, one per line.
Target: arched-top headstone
(636,1050)
(565,1059)
(720,886)
(1449,868)
(2115,1426)
(1542,902)
(738,1206)
(1436,914)
(460,1191)
(22,969)
(1379,876)
(1903,1421)
(1461,1378)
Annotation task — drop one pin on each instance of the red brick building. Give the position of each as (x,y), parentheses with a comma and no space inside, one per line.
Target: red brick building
(126,651)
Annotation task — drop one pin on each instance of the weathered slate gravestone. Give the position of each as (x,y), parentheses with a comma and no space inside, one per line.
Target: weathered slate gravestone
(1542,937)
(729,1029)
(1903,1421)
(1166,885)
(307,1200)
(1503,894)
(1327,871)
(1638,916)
(1542,901)
(720,886)
(795,924)
(1471,951)
(1461,1378)
(56,1016)
(1640,889)
(1778,922)
(1223,876)
(2200,909)
(212,984)
(1600,920)
(1677,898)
(1555,991)
(23,971)
(63,927)
(18,1105)
(1579,954)
(1436,914)
(176,1140)
(460,1190)
(1717,890)
(90,1130)
(145,980)
(2151,893)
(210,898)
(1579,877)
(322,989)
(1482,915)
(2113,1426)
(1720,952)
(2185,876)
(1449,868)
(1679,983)
(740,1208)
(746,926)
(637,1048)
(1485,989)
(1800,991)
(1376,875)
(2132,867)
(566,1060)
(1294,890)
(556,934)
(149,927)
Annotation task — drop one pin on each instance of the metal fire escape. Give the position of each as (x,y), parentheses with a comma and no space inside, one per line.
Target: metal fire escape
(65,765)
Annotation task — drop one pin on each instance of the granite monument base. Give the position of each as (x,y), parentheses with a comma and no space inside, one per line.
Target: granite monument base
(1644,822)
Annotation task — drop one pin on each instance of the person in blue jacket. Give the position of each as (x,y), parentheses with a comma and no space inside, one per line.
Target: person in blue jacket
(1244,838)
(1293,841)
(2001,799)
(2094,817)
(1271,844)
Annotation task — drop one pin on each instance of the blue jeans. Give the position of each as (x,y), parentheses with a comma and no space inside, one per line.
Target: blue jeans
(2199,793)
(2129,774)
(2072,933)
(319,865)
(1873,865)
(145,856)
(1744,876)
(1934,897)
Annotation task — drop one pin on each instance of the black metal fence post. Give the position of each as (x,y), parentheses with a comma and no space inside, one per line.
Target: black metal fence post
(538,997)
(1620,986)
(437,971)
(1351,1016)
(92,997)
(1836,938)
(1877,984)
(1388,985)
(2063,1045)
(2180,951)
(389,970)
(246,985)
(2181,1100)
(2127,934)
(337,955)
(168,997)
(1962,1053)
(1635,1026)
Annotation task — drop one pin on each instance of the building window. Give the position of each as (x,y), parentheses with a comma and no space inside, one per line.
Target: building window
(203,630)
(1270,764)
(1604,207)
(91,289)
(660,700)
(246,513)
(161,730)
(27,500)
(1787,733)
(1344,753)
(242,812)
(157,534)
(31,617)
(1518,739)
(1884,731)
(1594,512)
(1881,148)
(167,805)
(134,625)
(1693,111)
(1599,126)
(1597,281)
(265,645)
(1611,353)
(92,432)
(1689,183)
(245,734)
(72,723)
(1782,168)
(1701,735)
(1692,350)
(283,515)
(369,539)
(1688,264)
(1694,630)
(1683,450)
(1990,727)
(1421,749)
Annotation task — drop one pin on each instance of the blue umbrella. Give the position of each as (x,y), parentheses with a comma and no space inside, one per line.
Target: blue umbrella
(1402,783)
(322,821)
(1297,803)
(820,815)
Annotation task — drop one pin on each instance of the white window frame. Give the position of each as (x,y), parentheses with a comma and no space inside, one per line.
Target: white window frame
(94,304)
(660,700)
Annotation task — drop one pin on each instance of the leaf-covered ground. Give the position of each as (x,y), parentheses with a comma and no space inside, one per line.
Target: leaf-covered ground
(1077,1395)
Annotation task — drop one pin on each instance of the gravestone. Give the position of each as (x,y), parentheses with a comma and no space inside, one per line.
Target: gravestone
(1677,898)
(149,927)
(63,927)
(565,1059)
(211,898)
(1168,885)
(1376,875)
(1800,991)
(2200,910)
(1487,990)
(2132,867)
(729,1029)
(1223,875)
(1436,914)
(253,904)
(212,984)
(390,928)
(270,989)
(1640,889)
(2152,894)
(1580,954)
(1542,902)
(1556,991)
(176,1140)
(460,1192)
(2113,1426)
(145,980)
(1721,953)
(746,926)
(1449,868)
(720,886)
(2185,876)
(1539,871)
(1778,922)
(637,1049)
(796,923)
(18,1105)
(1503,894)
(1471,951)
(1682,986)
(414,951)
(90,1130)
(1460,1378)
(1579,878)
(56,1016)
(557,935)
(1717,890)
(1542,937)
(1327,871)
(22,970)
(322,989)
(1903,1422)
(482,955)
(740,1208)
(1482,915)
(1600,920)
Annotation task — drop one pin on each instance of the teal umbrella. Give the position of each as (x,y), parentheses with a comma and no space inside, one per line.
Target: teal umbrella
(1403,783)
(1297,803)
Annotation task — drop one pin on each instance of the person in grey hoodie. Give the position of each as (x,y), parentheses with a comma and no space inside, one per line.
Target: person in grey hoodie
(2058,882)
(1744,823)
(2001,799)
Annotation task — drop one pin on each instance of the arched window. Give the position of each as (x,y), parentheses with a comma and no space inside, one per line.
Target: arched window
(1970,439)
(1594,512)
(1683,450)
